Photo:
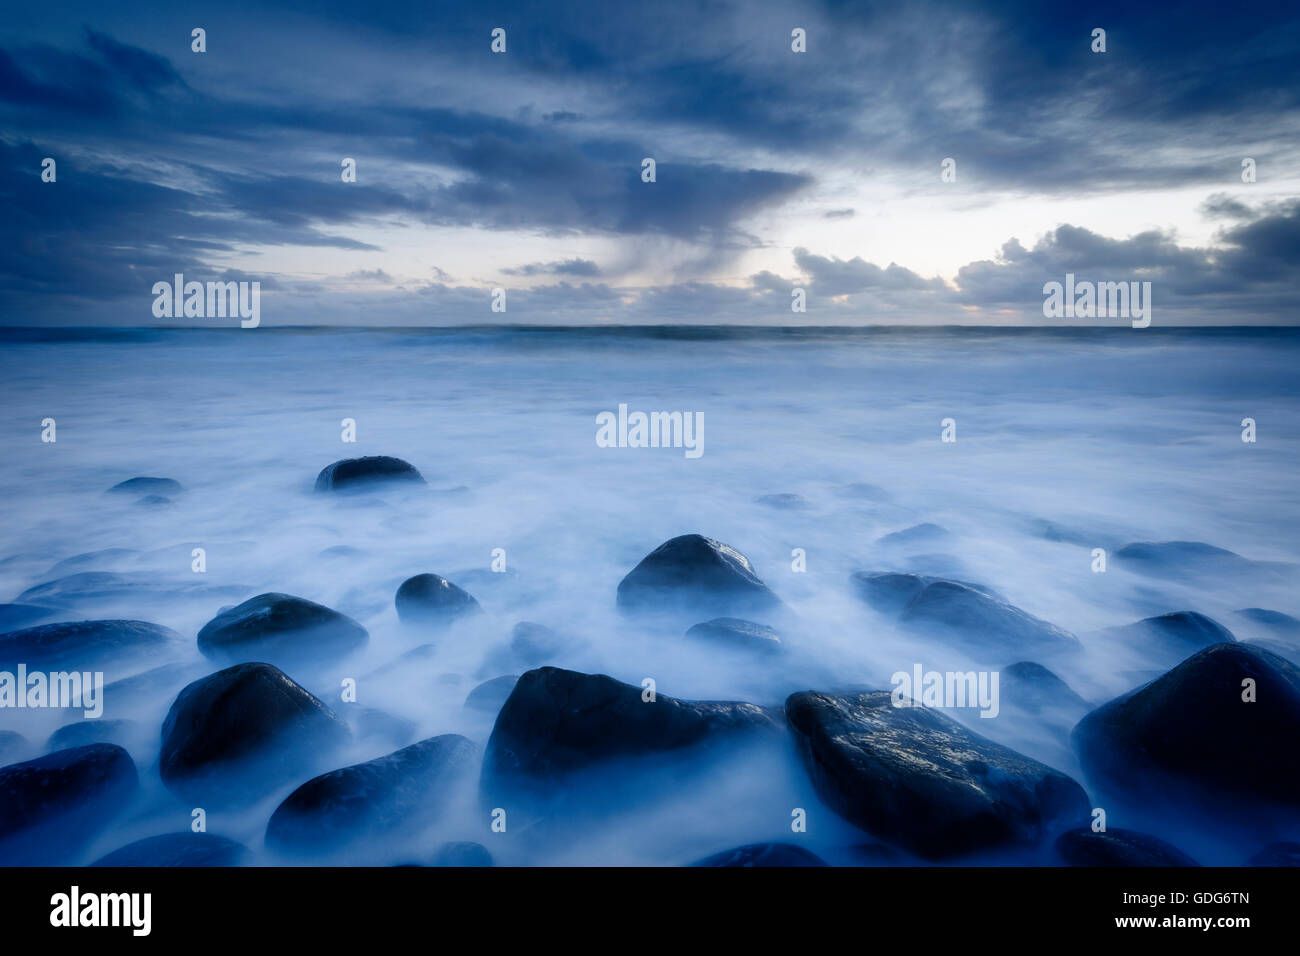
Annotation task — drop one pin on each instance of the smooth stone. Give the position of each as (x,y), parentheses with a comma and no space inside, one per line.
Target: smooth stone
(358,473)
(280,628)
(52,806)
(462,854)
(982,625)
(737,634)
(82,644)
(177,849)
(1175,558)
(763,854)
(1172,636)
(559,721)
(491,695)
(1033,688)
(1274,620)
(890,591)
(147,486)
(696,573)
(238,734)
(916,778)
(1189,735)
(924,533)
(1082,847)
(428,599)
(407,788)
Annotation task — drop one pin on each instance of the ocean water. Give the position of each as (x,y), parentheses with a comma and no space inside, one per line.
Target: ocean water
(1066,441)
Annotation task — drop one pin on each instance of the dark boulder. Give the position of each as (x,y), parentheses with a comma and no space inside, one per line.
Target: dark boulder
(428,599)
(236,735)
(280,628)
(358,473)
(1189,733)
(890,591)
(558,721)
(407,788)
(52,806)
(177,849)
(84,644)
(1172,637)
(763,854)
(981,625)
(692,572)
(1083,847)
(462,854)
(1036,690)
(147,486)
(918,779)
(1172,559)
(737,634)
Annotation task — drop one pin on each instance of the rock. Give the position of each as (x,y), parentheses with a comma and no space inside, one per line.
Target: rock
(92,561)
(491,695)
(916,778)
(177,849)
(1274,620)
(1172,559)
(52,806)
(982,626)
(925,533)
(784,502)
(890,591)
(84,644)
(100,587)
(1082,847)
(360,473)
(763,854)
(1190,734)
(1172,637)
(864,490)
(407,788)
(534,644)
(1277,854)
(558,721)
(236,735)
(428,599)
(462,854)
(83,732)
(14,616)
(737,634)
(147,486)
(1035,689)
(13,747)
(280,628)
(695,573)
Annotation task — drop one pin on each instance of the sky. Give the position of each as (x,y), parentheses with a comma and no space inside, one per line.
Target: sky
(522,170)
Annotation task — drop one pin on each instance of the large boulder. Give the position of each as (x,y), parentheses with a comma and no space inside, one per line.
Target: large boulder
(1082,847)
(280,628)
(86,645)
(982,626)
(52,806)
(403,789)
(431,600)
(1190,734)
(916,778)
(695,573)
(177,849)
(558,721)
(236,735)
(763,854)
(353,474)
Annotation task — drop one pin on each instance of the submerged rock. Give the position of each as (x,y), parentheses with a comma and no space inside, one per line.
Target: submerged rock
(738,634)
(1082,847)
(13,747)
(1274,620)
(697,573)
(462,854)
(533,644)
(406,788)
(925,533)
(428,599)
(369,723)
(52,806)
(177,849)
(238,734)
(358,473)
(918,779)
(14,616)
(763,854)
(1035,689)
(981,625)
(84,732)
(1172,636)
(104,587)
(1171,559)
(890,591)
(83,644)
(147,486)
(1190,734)
(784,501)
(280,627)
(492,694)
(558,721)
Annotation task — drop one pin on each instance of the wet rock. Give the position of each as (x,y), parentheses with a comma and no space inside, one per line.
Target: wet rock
(13,747)
(369,723)
(177,849)
(407,788)
(352,474)
(918,779)
(462,854)
(1277,854)
(558,721)
(1189,734)
(236,735)
(430,600)
(92,561)
(696,573)
(1171,559)
(1035,689)
(491,695)
(926,533)
(1275,621)
(103,587)
(890,591)
(981,625)
(14,616)
(1082,847)
(763,854)
(280,628)
(147,486)
(737,634)
(1172,637)
(52,806)
(84,644)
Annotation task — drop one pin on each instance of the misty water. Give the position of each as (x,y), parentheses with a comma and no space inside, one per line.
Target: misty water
(1066,441)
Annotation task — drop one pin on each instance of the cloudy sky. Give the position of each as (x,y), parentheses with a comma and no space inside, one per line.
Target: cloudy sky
(774,169)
